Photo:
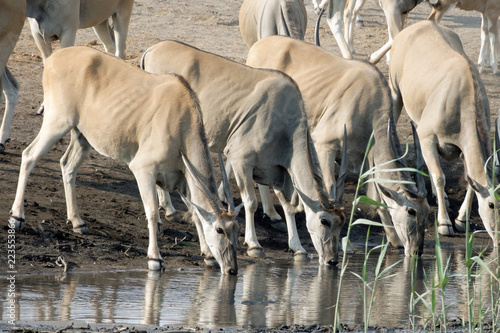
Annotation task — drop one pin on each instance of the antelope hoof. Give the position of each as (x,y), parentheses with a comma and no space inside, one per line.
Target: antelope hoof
(446,230)
(300,256)
(81,229)
(155,264)
(16,222)
(2,148)
(256,252)
(174,217)
(211,262)
(460,225)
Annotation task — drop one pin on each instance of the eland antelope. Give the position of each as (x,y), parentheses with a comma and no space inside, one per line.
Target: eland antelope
(151,122)
(257,117)
(12,16)
(262,18)
(337,91)
(489,54)
(443,93)
(55,19)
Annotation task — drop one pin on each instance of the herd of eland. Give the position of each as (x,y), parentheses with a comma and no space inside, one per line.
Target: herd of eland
(295,118)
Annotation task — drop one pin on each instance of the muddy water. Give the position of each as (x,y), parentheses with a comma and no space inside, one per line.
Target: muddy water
(262,295)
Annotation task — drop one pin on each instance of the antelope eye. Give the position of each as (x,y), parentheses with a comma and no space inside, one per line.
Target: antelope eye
(491,205)
(325,222)
(219,230)
(412,212)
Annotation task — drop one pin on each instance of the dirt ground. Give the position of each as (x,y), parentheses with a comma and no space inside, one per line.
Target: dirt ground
(107,193)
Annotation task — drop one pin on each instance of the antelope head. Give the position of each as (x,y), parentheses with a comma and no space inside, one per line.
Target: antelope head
(408,207)
(327,218)
(219,226)
(488,205)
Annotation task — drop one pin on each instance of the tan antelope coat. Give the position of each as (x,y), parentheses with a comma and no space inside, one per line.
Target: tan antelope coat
(151,122)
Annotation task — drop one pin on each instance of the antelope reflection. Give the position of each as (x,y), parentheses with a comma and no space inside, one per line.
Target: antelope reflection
(267,294)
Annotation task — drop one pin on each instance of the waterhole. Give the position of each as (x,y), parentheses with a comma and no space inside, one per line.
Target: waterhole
(263,295)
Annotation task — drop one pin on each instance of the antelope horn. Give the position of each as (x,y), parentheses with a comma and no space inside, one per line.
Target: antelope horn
(225,183)
(339,187)
(419,179)
(394,141)
(485,156)
(317,179)
(201,186)
(316,28)
(396,145)
(497,149)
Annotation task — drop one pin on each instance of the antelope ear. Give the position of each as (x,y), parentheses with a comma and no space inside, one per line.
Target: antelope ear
(305,199)
(203,214)
(391,194)
(483,191)
(238,208)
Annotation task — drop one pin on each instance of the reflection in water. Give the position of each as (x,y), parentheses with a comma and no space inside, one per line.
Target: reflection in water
(262,295)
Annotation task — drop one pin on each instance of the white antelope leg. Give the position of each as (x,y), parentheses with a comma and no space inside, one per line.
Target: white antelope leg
(104,33)
(249,198)
(465,210)
(67,38)
(267,203)
(293,236)
(351,12)
(11,93)
(77,151)
(229,170)
(431,157)
(265,197)
(147,189)
(46,138)
(483,59)
(335,17)
(395,21)
(121,21)
(45,48)
(493,38)
(165,202)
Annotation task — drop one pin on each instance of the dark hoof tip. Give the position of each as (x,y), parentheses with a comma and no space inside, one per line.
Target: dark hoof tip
(155,264)
(81,229)
(256,253)
(16,222)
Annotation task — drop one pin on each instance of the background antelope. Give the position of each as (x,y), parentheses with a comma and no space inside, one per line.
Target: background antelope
(262,18)
(490,11)
(151,122)
(443,93)
(53,19)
